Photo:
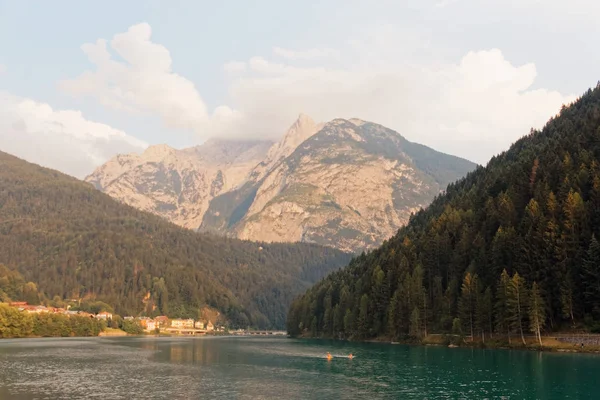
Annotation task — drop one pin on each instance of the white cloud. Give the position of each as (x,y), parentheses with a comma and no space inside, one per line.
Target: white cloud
(143,82)
(473,107)
(59,139)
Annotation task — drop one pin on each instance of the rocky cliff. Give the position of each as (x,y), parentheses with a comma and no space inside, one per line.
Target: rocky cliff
(348,184)
(179,184)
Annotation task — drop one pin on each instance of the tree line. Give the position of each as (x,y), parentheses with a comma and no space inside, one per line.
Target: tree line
(19,324)
(517,236)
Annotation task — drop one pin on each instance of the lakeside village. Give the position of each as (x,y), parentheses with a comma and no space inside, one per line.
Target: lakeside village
(138,325)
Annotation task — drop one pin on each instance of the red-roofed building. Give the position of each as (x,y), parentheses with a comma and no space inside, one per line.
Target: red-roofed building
(163,321)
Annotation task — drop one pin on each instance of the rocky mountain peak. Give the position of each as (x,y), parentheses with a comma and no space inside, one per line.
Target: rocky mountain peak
(303,128)
(158,151)
(347,183)
(357,122)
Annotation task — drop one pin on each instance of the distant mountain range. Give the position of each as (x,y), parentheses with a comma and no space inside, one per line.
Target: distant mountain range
(348,184)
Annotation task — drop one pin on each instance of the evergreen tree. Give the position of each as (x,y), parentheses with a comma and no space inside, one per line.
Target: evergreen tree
(395,316)
(517,303)
(468,301)
(537,312)
(348,322)
(415,323)
(363,317)
(567,289)
(485,313)
(591,277)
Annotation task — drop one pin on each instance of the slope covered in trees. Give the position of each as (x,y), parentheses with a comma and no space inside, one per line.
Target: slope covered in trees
(76,243)
(510,249)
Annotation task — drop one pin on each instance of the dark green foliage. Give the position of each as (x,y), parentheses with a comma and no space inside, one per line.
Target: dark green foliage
(591,278)
(13,287)
(77,243)
(15,324)
(132,327)
(532,211)
(50,325)
(537,312)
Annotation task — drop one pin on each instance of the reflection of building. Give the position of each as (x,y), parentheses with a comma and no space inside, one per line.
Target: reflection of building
(182,323)
(199,325)
(176,353)
(210,326)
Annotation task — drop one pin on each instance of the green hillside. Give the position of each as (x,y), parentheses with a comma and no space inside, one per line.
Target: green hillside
(77,243)
(533,212)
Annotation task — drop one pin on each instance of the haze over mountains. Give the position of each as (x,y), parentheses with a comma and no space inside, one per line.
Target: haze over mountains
(348,184)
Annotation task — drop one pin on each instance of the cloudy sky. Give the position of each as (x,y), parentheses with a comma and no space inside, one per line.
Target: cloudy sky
(83,81)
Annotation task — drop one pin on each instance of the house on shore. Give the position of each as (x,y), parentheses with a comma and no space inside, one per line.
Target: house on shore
(149,325)
(163,321)
(182,323)
(104,315)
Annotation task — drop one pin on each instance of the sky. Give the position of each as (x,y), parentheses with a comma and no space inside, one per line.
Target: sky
(83,81)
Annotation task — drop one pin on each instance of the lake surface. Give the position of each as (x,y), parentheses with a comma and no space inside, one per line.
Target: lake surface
(270,368)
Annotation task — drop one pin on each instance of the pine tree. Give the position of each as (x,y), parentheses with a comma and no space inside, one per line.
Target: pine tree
(348,323)
(484,312)
(502,307)
(338,321)
(591,277)
(415,323)
(567,289)
(468,301)
(517,302)
(363,317)
(537,312)
(328,315)
(394,317)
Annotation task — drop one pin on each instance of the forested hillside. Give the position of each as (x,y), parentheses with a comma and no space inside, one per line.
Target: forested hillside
(77,243)
(512,248)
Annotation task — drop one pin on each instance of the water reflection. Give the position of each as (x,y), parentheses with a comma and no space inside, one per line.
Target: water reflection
(254,368)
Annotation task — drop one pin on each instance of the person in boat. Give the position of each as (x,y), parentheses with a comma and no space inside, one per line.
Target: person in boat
(329,356)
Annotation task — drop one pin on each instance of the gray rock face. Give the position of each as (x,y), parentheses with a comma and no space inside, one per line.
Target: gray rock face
(348,184)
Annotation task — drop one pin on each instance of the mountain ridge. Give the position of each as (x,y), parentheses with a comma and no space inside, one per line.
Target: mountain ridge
(287,197)
(75,242)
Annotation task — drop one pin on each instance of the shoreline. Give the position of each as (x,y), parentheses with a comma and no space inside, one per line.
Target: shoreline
(550,343)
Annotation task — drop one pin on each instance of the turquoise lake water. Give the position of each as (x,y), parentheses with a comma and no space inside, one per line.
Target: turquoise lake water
(281,368)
